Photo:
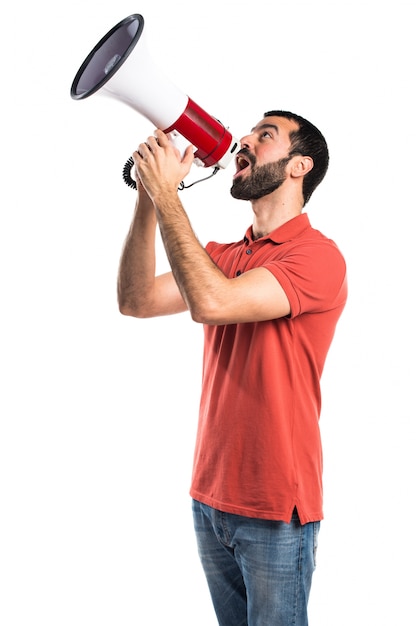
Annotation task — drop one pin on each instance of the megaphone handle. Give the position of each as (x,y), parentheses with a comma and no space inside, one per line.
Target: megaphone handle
(127,177)
(178,141)
(129,180)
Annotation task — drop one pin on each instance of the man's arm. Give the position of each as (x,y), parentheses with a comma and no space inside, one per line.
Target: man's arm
(140,293)
(211,297)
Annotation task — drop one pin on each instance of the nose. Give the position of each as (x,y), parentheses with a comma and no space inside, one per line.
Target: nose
(246,141)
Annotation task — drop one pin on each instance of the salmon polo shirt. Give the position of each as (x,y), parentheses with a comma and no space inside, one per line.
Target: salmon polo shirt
(258,447)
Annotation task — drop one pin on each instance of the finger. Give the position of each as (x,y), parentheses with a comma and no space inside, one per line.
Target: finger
(144,150)
(152,144)
(188,156)
(160,137)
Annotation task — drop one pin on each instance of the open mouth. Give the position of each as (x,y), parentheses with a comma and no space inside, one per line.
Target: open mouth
(242,162)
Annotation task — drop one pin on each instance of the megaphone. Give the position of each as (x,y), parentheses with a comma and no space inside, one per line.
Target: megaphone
(119,66)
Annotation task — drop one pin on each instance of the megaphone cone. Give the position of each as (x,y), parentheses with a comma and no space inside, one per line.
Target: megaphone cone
(119,66)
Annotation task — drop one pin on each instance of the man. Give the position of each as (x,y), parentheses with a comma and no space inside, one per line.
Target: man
(269,304)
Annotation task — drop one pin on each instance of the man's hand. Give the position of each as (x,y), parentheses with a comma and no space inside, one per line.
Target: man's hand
(160,166)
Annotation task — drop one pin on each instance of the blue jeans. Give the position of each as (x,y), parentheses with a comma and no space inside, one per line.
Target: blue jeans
(259,572)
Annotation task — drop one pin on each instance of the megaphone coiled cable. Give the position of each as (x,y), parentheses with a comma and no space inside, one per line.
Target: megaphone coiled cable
(127,173)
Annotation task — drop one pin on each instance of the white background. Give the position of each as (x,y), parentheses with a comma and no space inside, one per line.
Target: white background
(98,411)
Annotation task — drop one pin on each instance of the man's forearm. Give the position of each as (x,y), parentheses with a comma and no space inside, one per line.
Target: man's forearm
(137,264)
(197,277)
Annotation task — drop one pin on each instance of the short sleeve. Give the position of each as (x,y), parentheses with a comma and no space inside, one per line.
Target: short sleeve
(313,276)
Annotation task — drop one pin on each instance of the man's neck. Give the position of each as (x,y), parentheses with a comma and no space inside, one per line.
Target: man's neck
(269,215)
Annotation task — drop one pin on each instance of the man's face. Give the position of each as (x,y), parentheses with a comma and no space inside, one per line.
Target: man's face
(261,162)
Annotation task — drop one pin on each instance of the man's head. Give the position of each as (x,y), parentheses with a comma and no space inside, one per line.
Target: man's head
(280,139)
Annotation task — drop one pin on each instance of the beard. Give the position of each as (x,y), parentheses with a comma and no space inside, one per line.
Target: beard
(262,180)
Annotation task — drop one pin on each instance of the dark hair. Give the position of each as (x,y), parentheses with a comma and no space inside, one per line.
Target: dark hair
(307,141)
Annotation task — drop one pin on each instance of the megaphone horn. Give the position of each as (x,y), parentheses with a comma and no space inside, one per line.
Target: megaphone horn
(119,66)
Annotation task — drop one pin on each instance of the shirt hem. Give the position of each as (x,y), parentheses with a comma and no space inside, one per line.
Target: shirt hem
(282,516)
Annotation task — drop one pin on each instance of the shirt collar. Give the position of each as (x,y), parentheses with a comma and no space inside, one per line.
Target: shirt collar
(289,230)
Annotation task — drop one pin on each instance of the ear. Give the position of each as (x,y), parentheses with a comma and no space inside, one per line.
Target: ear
(301,165)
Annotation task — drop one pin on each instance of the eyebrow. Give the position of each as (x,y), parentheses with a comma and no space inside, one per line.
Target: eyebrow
(263,126)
